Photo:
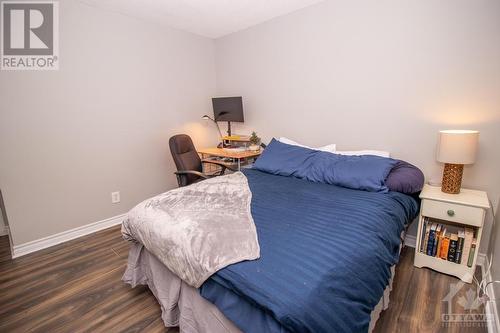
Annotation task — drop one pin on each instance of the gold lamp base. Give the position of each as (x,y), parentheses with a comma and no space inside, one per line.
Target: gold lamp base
(452,178)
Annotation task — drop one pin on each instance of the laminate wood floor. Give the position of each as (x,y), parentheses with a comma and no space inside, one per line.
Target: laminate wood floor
(77,287)
(416,301)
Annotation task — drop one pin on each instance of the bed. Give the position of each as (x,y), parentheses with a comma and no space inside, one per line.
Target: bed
(327,257)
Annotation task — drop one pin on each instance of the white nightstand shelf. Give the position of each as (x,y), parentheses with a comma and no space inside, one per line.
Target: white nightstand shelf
(464,210)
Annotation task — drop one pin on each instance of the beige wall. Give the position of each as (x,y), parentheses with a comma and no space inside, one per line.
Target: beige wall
(102,122)
(362,74)
(374,74)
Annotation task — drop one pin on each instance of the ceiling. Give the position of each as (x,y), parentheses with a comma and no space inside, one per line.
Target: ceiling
(209,18)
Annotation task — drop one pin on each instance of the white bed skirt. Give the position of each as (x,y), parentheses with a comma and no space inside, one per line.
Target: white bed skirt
(182,305)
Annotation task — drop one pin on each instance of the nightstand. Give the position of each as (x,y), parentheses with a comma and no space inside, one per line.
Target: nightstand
(459,215)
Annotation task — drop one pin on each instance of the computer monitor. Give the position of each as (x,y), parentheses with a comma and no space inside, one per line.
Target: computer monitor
(228,109)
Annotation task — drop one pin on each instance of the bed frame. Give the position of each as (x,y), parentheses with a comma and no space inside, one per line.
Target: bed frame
(182,305)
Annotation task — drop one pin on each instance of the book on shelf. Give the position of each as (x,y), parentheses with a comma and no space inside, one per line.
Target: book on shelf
(472,252)
(427,231)
(437,249)
(468,237)
(432,237)
(422,234)
(452,252)
(460,246)
(448,242)
(445,245)
(437,237)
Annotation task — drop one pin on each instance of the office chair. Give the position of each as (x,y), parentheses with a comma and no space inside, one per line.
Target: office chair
(188,162)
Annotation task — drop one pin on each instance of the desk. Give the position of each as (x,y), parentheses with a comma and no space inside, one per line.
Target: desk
(237,156)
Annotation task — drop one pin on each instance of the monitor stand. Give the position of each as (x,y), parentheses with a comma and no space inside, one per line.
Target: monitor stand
(228,143)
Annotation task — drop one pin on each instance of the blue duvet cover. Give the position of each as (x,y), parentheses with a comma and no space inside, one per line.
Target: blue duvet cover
(326,253)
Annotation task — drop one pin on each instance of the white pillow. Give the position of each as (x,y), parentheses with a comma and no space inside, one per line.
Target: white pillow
(328,148)
(380,153)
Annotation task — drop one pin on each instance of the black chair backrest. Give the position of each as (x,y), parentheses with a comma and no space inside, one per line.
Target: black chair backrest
(185,157)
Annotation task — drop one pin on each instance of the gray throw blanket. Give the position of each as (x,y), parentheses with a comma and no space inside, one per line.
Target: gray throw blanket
(198,229)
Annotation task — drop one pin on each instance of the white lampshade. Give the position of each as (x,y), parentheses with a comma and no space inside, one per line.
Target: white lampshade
(457,146)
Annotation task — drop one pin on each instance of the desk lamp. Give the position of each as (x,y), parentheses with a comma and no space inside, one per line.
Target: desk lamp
(206,117)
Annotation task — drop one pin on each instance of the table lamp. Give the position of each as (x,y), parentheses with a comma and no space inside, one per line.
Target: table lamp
(456,148)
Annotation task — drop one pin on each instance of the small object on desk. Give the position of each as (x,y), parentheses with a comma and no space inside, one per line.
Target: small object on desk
(235,140)
(236,137)
(235,149)
(255,141)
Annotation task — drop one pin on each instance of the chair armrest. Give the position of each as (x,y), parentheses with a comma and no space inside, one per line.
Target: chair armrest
(221,164)
(192,172)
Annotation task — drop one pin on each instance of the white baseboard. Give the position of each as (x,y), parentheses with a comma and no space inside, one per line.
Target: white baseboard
(491,306)
(43,243)
(4,230)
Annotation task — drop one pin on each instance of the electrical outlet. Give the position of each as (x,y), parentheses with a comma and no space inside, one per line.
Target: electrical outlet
(115,197)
